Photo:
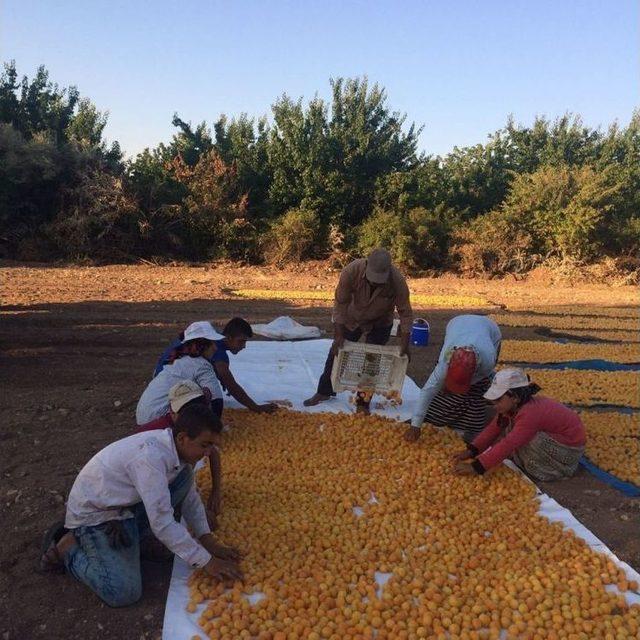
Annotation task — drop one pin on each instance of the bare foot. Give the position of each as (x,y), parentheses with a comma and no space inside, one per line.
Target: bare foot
(315,399)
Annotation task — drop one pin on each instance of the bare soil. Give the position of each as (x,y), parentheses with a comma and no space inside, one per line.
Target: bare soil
(78,346)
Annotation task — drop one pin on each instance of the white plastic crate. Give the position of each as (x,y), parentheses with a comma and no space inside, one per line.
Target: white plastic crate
(368,367)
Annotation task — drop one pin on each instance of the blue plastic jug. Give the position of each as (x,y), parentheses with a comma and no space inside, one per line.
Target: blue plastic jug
(420,332)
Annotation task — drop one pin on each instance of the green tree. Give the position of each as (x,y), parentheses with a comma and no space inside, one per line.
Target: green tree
(368,141)
(190,143)
(244,141)
(557,211)
(424,185)
(152,181)
(477,177)
(299,156)
(100,220)
(565,141)
(49,139)
(417,238)
(329,161)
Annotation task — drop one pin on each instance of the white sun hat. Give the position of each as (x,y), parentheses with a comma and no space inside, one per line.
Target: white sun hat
(183,392)
(504,380)
(201,329)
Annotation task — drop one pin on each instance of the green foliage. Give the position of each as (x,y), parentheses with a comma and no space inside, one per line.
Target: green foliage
(424,185)
(37,106)
(417,239)
(494,244)
(319,179)
(237,142)
(292,237)
(564,212)
(189,143)
(329,160)
(49,139)
(152,182)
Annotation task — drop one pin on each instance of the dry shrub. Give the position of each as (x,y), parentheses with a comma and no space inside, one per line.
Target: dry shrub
(338,255)
(292,237)
(101,220)
(617,271)
(493,245)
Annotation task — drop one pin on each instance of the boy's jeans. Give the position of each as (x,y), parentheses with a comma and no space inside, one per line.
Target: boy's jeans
(114,574)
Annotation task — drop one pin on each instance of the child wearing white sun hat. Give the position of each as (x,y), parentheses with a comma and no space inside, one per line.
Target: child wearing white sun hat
(542,436)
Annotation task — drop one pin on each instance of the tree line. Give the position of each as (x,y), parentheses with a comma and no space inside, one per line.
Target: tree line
(318,179)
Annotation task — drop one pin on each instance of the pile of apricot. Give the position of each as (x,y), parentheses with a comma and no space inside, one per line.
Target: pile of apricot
(321,503)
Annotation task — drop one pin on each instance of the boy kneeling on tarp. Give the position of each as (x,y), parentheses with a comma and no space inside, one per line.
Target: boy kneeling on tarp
(542,436)
(125,495)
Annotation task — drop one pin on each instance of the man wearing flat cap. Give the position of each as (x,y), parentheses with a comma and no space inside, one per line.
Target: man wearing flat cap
(368,292)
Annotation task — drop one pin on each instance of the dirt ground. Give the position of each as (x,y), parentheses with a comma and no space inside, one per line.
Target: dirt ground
(78,346)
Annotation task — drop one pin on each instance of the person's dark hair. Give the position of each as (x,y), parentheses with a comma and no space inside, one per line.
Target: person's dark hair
(238,327)
(199,400)
(524,394)
(193,419)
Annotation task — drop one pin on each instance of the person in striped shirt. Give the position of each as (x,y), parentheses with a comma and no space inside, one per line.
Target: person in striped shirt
(452,396)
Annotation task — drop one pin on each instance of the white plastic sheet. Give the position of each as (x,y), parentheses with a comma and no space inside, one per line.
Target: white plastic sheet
(285,328)
(290,370)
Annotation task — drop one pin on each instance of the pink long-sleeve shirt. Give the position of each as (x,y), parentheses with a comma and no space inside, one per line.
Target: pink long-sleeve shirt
(539,414)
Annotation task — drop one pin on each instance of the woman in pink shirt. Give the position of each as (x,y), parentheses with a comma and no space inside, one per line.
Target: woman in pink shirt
(542,436)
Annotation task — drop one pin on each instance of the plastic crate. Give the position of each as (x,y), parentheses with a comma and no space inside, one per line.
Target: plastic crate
(368,367)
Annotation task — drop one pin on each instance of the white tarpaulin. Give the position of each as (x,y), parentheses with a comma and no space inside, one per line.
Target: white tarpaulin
(290,370)
(285,328)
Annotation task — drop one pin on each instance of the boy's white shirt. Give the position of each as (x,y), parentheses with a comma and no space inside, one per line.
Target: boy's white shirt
(154,401)
(479,332)
(137,469)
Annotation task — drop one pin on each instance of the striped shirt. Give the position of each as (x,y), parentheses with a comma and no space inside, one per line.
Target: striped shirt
(480,333)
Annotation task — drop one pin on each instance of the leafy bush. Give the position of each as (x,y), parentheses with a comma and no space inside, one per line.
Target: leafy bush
(293,237)
(383,229)
(556,212)
(318,179)
(417,239)
(100,220)
(493,244)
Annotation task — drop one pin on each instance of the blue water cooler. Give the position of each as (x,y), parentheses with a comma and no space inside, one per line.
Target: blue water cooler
(420,332)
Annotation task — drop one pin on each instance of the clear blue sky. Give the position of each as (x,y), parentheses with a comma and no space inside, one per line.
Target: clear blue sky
(458,67)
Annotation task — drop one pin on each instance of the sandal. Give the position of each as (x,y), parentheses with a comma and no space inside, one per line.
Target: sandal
(50,560)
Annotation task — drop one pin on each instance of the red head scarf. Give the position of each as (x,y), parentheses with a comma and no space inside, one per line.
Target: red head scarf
(462,366)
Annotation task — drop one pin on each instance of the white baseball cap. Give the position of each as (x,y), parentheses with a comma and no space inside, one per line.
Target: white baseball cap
(201,329)
(504,380)
(183,392)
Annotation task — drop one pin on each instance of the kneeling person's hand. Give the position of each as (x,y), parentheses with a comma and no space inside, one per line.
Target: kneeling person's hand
(463,469)
(465,454)
(223,569)
(412,434)
(220,551)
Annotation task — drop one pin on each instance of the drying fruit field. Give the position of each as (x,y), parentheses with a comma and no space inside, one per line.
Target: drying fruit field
(324,504)
(79,343)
